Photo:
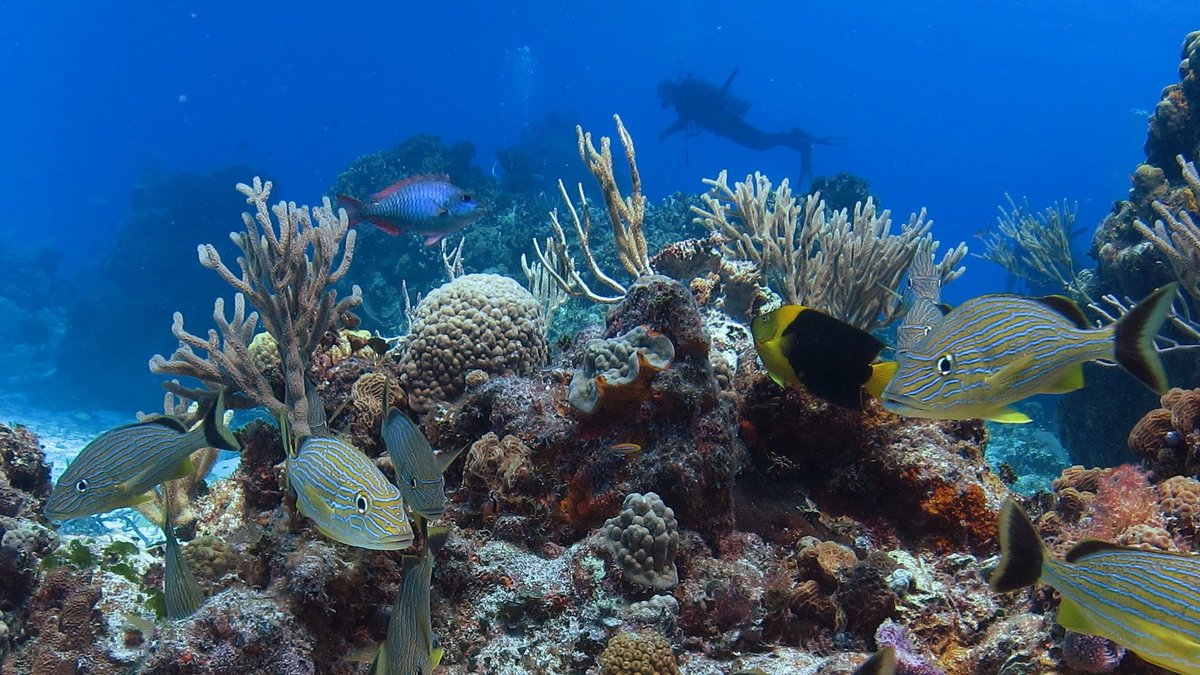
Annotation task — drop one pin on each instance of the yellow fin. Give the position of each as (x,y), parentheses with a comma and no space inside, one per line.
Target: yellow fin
(318,501)
(184,469)
(436,656)
(1008,416)
(776,379)
(881,373)
(1004,377)
(1070,381)
(1072,617)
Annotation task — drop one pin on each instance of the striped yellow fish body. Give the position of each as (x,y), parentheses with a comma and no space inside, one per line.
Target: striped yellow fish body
(994,350)
(180,589)
(418,471)
(882,662)
(120,466)
(921,319)
(411,648)
(830,358)
(346,496)
(1145,601)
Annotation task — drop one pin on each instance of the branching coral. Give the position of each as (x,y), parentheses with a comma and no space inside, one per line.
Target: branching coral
(625,214)
(1036,247)
(847,265)
(1177,234)
(292,291)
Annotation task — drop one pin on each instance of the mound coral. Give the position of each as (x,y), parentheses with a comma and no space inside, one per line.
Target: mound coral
(616,370)
(477,321)
(638,654)
(643,539)
(1168,439)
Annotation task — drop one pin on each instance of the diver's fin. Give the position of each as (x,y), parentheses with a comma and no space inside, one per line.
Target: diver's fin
(881,373)
(1021,550)
(1008,416)
(882,662)
(1134,334)
(1071,380)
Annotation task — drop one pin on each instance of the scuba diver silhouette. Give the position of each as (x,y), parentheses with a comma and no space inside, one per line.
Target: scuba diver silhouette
(702,107)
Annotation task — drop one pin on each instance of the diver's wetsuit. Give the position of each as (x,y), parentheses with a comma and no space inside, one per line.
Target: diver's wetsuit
(702,107)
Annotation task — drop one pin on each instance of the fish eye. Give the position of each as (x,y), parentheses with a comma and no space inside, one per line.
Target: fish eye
(927,331)
(466,197)
(360,502)
(413,482)
(945,364)
(81,485)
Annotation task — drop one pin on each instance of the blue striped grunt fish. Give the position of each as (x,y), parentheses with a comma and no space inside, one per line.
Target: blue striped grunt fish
(346,496)
(121,466)
(410,647)
(994,350)
(428,205)
(832,359)
(180,590)
(1147,601)
(342,491)
(418,471)
(923,298)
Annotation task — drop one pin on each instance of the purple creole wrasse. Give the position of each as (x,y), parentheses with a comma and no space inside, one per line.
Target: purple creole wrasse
(427,205)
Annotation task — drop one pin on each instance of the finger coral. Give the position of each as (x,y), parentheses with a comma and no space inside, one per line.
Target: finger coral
(643,540)
(477,321)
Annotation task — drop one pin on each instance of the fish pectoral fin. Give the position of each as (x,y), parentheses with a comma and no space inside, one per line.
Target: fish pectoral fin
(1072,617)
(184,469)
(435,657)
(1008,416)
(320,503)
(1009,373)
(379,665)
(1071,380)
(776,379)
(881,373)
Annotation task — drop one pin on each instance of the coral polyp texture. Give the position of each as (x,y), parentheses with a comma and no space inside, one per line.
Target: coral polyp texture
(616,370)
(475,322)
(638,654)
(1167,439)
(643,539)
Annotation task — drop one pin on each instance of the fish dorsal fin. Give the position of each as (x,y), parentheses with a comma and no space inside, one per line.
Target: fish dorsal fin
(169,421)
(1067,308)
(403,182)
(1089,546)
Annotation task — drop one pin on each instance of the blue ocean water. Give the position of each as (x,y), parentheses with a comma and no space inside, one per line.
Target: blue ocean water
(945,105)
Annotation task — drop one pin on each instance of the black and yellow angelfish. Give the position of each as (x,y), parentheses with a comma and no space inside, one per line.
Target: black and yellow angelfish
(1146,601)
(830,358)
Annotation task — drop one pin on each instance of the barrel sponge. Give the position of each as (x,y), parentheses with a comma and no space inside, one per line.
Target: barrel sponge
(475,322)
(638,654)
(616,365)
(643,538)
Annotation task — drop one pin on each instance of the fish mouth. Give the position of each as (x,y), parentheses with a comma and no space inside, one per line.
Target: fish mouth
(903,405)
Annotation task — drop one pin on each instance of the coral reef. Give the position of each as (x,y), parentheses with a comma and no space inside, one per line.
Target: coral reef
(644,653)
(643,538)
(475,322)
(1167,439)
(617,370)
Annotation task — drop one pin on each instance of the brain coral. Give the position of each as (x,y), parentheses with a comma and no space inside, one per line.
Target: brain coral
(643,538)
(638,653)
(478,321)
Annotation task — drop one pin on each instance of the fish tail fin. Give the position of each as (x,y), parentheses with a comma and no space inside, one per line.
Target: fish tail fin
(216,434)
(353,208)
(1022,552)
(882,662)
(881,373)
(1134,335)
